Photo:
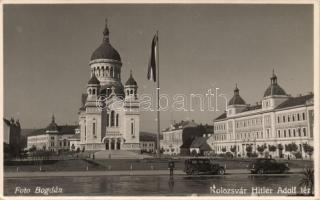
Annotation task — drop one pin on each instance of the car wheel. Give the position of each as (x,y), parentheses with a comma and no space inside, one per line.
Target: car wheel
(285,170)
(195,172)
(221,171)
(260,171)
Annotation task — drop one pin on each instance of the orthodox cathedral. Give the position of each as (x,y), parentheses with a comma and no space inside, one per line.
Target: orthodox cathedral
(109,114)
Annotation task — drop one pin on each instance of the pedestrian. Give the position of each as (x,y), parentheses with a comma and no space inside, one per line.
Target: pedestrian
(171,167)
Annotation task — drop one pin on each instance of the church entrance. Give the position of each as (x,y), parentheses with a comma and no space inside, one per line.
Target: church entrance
(112,144)
(107,145)
(118,144)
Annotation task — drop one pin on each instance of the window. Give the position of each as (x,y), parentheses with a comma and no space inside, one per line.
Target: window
(303,116)
(60,144)
(108,119)
(293,118)
(294,132)
(94,128)
(288,118)
(284,133)
(283,119)
(112,118)
(299,132)
(298,116)
(289,131)
(117,120)
(132,132)
(64,142)
(278,133)
(111,71)
(304,132)
(278,119)
(93,91)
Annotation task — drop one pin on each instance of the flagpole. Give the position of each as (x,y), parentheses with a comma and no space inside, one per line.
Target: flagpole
(158,97)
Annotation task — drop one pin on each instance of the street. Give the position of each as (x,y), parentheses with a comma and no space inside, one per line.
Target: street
(155,183)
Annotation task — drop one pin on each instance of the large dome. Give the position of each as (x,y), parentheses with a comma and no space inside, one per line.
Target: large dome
(106,50)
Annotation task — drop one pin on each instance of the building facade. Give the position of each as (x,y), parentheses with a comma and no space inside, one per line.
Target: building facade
(11,137)
(52,138)
(109,116)
(269,128)
(178,138)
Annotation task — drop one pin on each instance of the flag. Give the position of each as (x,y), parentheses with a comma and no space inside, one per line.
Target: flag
(152,66)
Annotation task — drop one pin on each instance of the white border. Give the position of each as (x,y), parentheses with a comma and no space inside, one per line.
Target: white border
(316,89)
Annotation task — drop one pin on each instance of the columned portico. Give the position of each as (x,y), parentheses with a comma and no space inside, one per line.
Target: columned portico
(113,143)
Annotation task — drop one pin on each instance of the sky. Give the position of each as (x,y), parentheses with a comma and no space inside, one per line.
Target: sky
(47,49)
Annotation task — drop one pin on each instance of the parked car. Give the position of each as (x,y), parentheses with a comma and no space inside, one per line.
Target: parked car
(197,166)
(267,166)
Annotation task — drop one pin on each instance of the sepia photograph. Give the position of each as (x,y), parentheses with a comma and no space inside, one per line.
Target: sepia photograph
(160,99)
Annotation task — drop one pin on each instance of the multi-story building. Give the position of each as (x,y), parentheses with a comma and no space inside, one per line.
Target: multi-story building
(148,142)
(52,138)
(11,137)
(109,117)
(269,127)
(178,138)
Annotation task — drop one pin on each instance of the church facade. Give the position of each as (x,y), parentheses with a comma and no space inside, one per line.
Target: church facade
(109,116)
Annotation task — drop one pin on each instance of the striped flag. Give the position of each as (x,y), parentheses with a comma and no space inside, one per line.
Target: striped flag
(152,66)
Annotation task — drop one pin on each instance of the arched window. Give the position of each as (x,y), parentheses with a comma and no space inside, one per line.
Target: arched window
(90,91)
(94,128)
(131,91)
(117,119)
(111,71)
(108,118)
(112,118)
(98,69)
(107,71)
(93,91)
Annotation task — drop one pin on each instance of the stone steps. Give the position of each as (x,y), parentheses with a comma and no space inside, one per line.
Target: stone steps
(119,154)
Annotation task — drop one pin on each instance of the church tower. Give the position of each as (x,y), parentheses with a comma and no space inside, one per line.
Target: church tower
(109,116)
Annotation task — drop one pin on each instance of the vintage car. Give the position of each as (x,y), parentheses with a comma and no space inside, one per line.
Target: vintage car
(197,166)
(267,166)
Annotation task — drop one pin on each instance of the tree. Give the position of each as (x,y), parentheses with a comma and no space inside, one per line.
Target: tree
(308,149)
(272,148)
(233,149)
(194,152)
(293,147)
(308,180)
(73,147)
(280,147)
(261,149)
(33,148)
(249,150)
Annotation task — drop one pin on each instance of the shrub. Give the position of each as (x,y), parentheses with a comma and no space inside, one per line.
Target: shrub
(298,154)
